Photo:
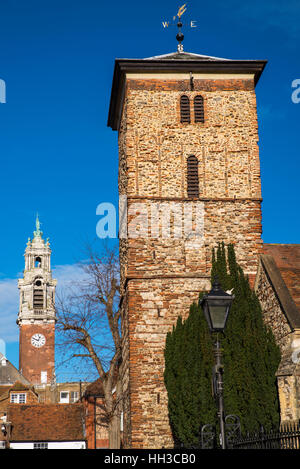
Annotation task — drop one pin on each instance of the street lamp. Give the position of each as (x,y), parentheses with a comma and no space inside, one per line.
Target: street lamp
(216,307)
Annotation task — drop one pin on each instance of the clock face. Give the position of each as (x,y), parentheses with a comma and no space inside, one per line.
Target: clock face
(38,340)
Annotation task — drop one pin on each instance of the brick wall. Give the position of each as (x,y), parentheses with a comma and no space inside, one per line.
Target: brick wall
(35,360)
(95,423)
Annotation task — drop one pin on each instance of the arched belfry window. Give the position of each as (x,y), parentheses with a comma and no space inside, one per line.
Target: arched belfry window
(199,108)
(185,112)
(192,177)
(37,262)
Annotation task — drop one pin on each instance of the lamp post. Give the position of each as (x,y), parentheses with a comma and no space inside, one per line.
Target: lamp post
(216,307)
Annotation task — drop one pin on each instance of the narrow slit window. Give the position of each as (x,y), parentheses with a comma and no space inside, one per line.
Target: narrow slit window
(192,177)
(185,112)
(199,108)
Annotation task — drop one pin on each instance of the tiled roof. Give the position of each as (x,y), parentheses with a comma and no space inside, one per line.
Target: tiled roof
(95,389)
(9,374)
(47,422)
(287,260)
(20,387)
(16,387)
(185,56)
(4,391)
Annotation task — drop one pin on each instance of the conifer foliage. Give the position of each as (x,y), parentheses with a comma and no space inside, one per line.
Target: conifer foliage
(189,361)
(250,357)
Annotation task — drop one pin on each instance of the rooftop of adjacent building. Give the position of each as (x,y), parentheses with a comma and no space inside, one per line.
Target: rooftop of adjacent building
(95,389)
(9,373)
(47,422)
(281,263)
(287,260)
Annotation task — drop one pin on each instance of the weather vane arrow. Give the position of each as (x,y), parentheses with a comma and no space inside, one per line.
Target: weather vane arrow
(179,24)
(181,11)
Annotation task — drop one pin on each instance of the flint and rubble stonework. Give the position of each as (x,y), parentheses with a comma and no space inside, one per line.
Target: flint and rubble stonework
(161,277)
(273,314)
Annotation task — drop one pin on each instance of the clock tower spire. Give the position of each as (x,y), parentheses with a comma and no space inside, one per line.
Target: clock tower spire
(36,318)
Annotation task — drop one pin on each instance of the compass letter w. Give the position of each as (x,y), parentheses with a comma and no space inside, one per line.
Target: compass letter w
(165,24)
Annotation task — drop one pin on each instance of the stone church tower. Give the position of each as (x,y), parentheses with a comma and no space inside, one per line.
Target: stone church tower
(188,156)
(36,318)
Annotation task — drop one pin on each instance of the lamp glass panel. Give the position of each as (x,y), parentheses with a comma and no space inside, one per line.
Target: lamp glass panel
(218,314)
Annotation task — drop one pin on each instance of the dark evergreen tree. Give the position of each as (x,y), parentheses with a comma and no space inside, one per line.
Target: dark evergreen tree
(250,356)
(189,361)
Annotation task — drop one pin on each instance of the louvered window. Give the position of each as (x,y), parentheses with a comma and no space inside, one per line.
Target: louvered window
(185,113)
(199,109)
(192,177)
(38,298)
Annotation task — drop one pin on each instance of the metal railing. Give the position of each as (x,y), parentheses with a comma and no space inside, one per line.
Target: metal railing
(287,436)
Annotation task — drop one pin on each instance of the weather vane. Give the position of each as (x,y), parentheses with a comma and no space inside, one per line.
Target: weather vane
(179,24)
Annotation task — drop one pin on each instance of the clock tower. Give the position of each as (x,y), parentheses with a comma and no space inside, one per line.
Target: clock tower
(36,318)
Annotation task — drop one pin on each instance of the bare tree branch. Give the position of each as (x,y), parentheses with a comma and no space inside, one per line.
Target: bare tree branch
(88,312)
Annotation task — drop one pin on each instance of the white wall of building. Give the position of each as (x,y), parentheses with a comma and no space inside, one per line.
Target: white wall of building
(51,445)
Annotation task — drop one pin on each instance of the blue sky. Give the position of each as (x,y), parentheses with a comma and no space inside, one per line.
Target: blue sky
(58,156)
